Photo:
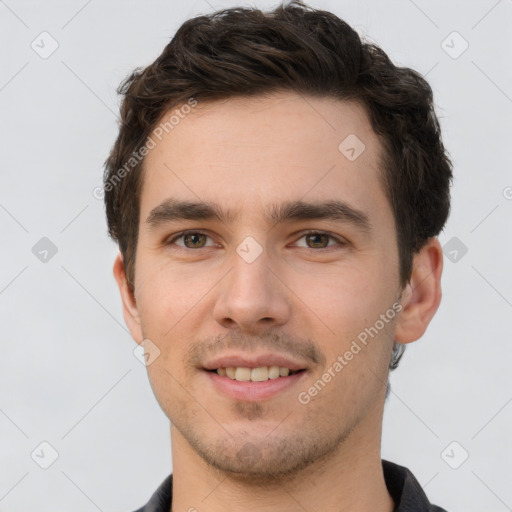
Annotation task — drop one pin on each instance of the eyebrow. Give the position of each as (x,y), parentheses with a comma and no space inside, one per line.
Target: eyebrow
(172,210)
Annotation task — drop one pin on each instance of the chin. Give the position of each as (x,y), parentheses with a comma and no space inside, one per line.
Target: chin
(266,460)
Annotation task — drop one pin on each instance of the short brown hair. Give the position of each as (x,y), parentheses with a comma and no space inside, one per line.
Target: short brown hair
(246,52)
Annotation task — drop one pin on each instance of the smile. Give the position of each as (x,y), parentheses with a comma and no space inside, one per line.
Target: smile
(260,374)
(253,384)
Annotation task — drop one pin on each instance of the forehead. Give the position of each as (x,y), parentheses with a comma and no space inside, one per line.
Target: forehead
(256,151)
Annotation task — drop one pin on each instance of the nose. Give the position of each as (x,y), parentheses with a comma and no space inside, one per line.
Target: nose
(252,297)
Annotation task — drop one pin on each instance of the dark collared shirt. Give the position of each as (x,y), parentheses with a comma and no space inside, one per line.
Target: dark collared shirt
(402,486)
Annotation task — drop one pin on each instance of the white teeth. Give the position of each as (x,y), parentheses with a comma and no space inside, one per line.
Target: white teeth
(260,374)
(243,374)
(273,372)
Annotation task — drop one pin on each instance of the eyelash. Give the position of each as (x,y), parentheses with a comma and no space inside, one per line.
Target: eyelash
(177,236)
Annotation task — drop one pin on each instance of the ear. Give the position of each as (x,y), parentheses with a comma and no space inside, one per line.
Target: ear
(130,312)
(422,295)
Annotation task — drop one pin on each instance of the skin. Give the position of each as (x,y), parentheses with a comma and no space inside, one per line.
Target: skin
(301,293)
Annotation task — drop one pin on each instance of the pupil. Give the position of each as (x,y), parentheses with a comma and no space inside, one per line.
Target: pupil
(315,243)
(194,239)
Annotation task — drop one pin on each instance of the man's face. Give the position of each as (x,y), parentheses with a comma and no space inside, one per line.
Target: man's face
(268,281)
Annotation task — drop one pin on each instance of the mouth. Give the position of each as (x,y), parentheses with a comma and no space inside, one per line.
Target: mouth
(258,374)
(254,384)
(254,376)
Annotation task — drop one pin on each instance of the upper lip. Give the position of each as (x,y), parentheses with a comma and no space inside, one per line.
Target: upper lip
(254,361)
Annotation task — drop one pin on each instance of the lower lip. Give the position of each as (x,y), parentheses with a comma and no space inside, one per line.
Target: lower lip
(253,391)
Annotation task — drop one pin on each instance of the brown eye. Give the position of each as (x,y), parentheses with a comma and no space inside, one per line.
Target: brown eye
(194,240)
(317,240)
(320,240)
(191,240)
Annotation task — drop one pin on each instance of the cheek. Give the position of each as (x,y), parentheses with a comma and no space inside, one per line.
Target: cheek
(167,292)
(167,299)
(349,297)
(347,309)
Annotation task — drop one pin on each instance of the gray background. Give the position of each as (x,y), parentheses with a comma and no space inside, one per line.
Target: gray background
(68,373)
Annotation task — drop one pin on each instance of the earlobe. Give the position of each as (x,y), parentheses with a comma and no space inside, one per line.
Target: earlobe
(422,295)
(130,311)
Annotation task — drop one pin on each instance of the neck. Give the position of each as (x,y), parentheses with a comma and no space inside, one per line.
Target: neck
(351,479)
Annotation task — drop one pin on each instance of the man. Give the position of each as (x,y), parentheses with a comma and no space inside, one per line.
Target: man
(276,190)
